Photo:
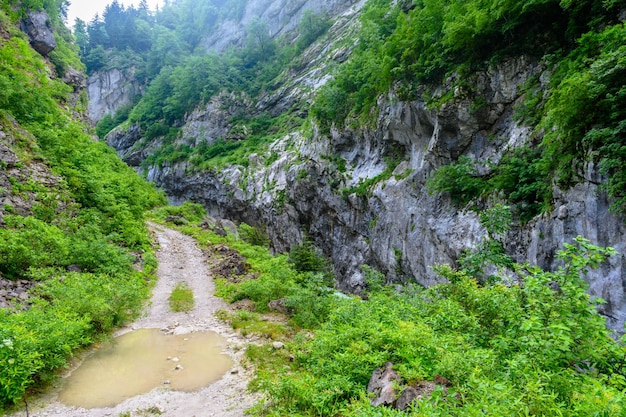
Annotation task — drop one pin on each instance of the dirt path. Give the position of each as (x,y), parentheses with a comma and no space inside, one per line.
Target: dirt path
(179,261)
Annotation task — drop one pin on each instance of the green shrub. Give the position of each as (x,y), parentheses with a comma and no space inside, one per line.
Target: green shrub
(254,235)
(104,301)
(248,322)
(69,311)
(33,344)
(191,212)
(523,176)
(305,257)
(460,181)
(27,242)
(108,122)
(276,282)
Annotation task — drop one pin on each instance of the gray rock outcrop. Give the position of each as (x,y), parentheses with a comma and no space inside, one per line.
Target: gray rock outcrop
(111,90)
(382,385)
(281,16)
(37,26)
(75,78)
(386,388)
(14,293)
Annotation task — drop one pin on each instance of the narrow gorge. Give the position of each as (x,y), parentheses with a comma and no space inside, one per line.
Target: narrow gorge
(385,207)
(359,190)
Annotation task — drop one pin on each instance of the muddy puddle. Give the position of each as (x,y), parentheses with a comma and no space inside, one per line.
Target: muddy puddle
(141,360)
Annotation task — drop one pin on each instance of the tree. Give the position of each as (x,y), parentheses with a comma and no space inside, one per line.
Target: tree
(97,33)
(167,49)
(80,34)
(259,45)
(311,27)
(196,20)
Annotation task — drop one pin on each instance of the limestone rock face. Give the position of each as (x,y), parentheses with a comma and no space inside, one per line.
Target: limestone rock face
(110,90)
(281,17)
(123,140)
(37,26)
(75,78)
(212,121)
(582,210)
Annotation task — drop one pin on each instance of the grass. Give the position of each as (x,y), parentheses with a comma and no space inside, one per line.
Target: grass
(248,322)
(181,299)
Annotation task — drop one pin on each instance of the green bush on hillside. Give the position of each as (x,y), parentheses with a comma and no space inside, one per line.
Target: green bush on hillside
(522,178)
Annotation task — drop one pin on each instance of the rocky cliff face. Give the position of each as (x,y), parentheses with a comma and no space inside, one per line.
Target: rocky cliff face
(110,90)
(281,17)
(316,184)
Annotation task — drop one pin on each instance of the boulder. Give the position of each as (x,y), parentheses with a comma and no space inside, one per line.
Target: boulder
(37,26)
(388,389)
(383,385)
(279,306)
(75,79)
(221,227)
(422,389)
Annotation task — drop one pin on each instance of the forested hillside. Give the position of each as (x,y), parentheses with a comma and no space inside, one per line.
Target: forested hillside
(72,216)
(165,53)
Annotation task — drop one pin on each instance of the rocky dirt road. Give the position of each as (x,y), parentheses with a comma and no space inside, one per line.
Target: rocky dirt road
(179,261)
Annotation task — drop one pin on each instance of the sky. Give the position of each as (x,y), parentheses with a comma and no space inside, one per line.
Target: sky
(86,9)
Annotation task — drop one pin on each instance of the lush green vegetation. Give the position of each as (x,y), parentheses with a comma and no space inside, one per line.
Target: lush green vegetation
(577,131)
(434,38)
(164,49)
(524,342)
(83,233)
(507,350)
(70,310)
(181,298)
(522,178)
(409,47)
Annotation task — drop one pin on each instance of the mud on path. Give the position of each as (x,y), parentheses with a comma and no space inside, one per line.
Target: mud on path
(180,260)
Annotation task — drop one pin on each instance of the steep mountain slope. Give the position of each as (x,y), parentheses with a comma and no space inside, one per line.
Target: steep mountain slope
(71,213)
(432,115)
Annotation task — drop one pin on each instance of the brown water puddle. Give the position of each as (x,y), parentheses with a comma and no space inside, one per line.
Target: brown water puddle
(139,361)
